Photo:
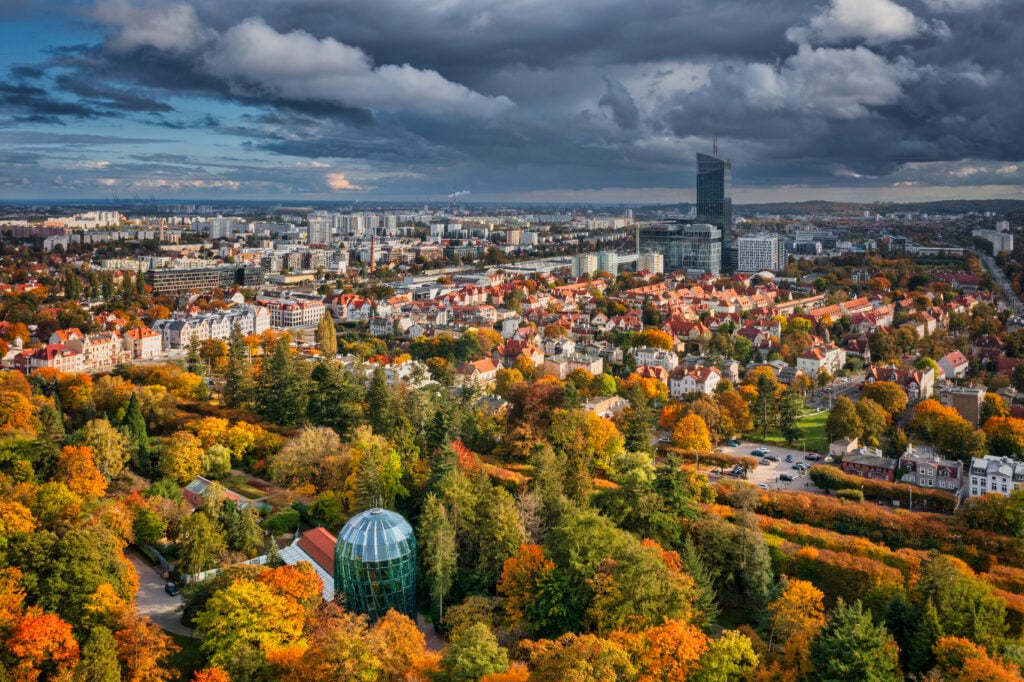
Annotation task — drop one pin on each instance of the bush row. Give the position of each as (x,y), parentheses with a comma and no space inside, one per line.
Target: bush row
(832,478)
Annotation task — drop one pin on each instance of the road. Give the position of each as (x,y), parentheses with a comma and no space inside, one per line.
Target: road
(1009,297)
(154,602)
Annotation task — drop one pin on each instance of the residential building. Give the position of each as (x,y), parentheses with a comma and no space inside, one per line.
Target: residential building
(293,310)
(869,463)
(100,352)
(656,357)
(584,264)
(687,379)
(954,365)
(823,357)
(479,373)
(759,252)
(651,262)
(966,400)
(143,343)
(606,407)
(183,280)
(608,261)
(926,469)
(562,365)
(54,355)
(998,241)
(1000,475)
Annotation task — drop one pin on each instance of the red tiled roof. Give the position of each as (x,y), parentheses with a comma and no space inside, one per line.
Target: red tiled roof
(319,545)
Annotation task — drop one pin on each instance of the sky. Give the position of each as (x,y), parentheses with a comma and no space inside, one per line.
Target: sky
(596,101)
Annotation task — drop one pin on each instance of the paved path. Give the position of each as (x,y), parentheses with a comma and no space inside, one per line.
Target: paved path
(434,641)
(1009,296)
(153,601)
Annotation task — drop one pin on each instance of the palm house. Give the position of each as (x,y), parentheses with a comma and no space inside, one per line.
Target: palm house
(375,564)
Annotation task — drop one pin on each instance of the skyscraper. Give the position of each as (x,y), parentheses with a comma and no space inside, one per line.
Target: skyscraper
(714,200)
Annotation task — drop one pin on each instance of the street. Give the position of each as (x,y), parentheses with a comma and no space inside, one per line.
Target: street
(153,601)
(1010,298)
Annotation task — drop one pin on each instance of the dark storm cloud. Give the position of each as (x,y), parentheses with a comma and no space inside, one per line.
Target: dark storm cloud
(520,96)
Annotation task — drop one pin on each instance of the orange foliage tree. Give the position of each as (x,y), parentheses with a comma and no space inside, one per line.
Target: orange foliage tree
(143,650)
(664,652)
(76,468)
(691,434)
(44,645)
(521,578)
(211,675)
(964,661)
(299,583)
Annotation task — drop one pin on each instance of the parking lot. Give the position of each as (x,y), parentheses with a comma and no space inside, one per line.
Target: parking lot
(770,474)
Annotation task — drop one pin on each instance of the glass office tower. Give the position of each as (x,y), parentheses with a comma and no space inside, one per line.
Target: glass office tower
(714,200)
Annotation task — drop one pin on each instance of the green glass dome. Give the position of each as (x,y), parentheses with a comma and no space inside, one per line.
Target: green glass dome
(375,564)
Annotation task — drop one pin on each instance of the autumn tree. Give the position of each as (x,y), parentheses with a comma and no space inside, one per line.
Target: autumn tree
(524,578)
(1005,436)
(691,434)
(43,645)
(300,460)
(889,395)
(109,447)
(182,457)
(799,610)
(583,657)
(76,468)
(99,658)
(730,657)
(250,615)
(144,650)
(664,652)
(201,543)
(958,658)
(376,472)
(327,336)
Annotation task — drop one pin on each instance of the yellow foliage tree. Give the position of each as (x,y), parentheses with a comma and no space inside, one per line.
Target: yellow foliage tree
(691,434)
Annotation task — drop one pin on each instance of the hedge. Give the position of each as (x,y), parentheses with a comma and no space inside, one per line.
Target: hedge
(847,494)
(832,478)
(719,459)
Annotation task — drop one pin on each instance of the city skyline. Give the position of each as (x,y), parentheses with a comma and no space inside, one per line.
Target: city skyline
(844,100)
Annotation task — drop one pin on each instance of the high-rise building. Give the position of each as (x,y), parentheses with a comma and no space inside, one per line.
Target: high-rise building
(651,262)
(759,252)
(701,249)
(608,261)
(583,264)
(714,199)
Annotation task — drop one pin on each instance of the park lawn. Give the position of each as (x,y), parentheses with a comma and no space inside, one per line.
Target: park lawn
(813,425)
(188,659)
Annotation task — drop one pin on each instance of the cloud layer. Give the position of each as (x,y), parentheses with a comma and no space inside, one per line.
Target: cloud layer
(518,98)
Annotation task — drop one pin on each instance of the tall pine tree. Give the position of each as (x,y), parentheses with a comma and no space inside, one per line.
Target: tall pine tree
(238,383)
(282,387)
(327,336)
(134,426)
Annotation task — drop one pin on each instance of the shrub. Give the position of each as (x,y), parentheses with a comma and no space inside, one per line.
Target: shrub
(284,521)
(719,459)
(854,495)
(831,478)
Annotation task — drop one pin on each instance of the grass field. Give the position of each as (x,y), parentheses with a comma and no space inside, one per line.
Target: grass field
(813,425)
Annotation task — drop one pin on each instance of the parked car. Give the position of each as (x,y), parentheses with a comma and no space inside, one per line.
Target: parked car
(172,589)
(800,466)
(789,458)
(772,458)
(734,443)
(812,456)
(664,439)
(763,486)
(765,460)
(786,477)
(758,452)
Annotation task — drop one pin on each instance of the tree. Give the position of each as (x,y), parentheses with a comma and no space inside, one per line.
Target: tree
(889,395)
(76,468)
(993,405)
(583,658)
(282,386)
(43,644)
(182,457)
(216,462)
(109,447)
(378,398)
(245,533)
(134,427)
(791,408)
(99,658)
(843,421)
(148,527)
(704,585)
(764,409)
(691,434)
(251,615)
(300,460)
(958,658)
(327,336)
(874,420)
(664,652)
(1005,436)
(473,653)
(238,383)
(201,543)
(436,535)
(852,648)
(376,478)
(730,657)
(799,610)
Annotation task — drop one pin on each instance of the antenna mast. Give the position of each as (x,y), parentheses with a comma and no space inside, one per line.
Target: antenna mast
(715,147)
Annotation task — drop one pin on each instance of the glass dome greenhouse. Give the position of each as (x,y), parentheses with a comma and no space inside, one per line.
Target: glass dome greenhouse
(375,564)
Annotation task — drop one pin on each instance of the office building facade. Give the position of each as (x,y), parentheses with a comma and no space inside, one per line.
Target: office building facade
(714,200)
(651,262)
(584,264)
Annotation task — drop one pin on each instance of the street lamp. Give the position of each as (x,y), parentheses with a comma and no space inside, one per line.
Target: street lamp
(910,503)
